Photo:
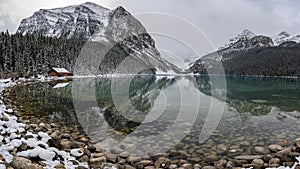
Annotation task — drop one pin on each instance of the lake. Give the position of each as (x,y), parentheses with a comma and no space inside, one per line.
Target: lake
(180,115)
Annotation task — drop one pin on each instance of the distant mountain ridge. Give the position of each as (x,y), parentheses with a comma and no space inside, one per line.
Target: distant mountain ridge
(89,21)
(250,54)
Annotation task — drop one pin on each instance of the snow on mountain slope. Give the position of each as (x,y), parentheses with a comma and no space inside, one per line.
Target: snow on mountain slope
(245,35)
(117,29)
(242,43)
(285,37)
(77,21)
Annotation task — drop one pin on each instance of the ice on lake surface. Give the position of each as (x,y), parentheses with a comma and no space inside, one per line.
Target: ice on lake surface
(169,113)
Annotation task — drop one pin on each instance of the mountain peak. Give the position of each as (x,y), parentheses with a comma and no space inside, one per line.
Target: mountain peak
(283,34)
(109,27)
(120,11)
(285,37)
(89,4)
(247,33)
(76,21)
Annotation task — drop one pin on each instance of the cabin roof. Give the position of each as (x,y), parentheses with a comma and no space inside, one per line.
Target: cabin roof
(60,70)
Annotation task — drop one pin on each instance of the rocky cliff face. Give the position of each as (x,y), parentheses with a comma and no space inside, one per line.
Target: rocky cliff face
(77,21)
(117,29)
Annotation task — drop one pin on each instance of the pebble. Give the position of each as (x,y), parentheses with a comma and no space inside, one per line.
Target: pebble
(258,162)
(83,139)
(187,166)
(128,167)
(132,160)
(274,162)
(261,150)
(196,166)
(221,163)
(234,152)
(209,167)
(60,166)
(297,142)
(162,162)
(97,154)
(124,154)
(111,158)
(21,162)
(211,158)
(84,158)
(65,136)
(173,166)
(97,160)
(65,144)
(250,157)
(146,163)
(275,148)
(87,152)
(92,148)
(283,152)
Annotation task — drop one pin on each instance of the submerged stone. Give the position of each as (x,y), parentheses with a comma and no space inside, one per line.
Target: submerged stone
(259,101)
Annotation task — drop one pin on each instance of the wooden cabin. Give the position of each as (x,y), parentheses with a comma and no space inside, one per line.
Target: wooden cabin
(59,72)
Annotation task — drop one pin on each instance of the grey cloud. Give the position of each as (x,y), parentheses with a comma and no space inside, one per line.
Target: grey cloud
(218,19)
(7,21)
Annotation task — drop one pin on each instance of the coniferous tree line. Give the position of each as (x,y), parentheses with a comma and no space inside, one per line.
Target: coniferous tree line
(263,61)
(27,55)
(268,61)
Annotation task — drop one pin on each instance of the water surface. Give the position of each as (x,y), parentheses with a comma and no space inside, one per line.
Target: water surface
(160,113)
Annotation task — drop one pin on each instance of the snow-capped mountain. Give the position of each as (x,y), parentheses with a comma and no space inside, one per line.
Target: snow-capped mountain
(77,21)
(248,39)
(244,44)
(238,40)
(284,37)
(92,22)
(245,40)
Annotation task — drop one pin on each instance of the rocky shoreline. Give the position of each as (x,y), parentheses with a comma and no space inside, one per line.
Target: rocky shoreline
(41,145)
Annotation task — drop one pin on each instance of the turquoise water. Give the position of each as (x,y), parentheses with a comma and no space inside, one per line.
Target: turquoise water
(175,114)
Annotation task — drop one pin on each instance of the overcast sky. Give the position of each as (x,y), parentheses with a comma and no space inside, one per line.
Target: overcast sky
(218,19)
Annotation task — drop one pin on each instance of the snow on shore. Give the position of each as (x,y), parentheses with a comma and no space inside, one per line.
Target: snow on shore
(11,137)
